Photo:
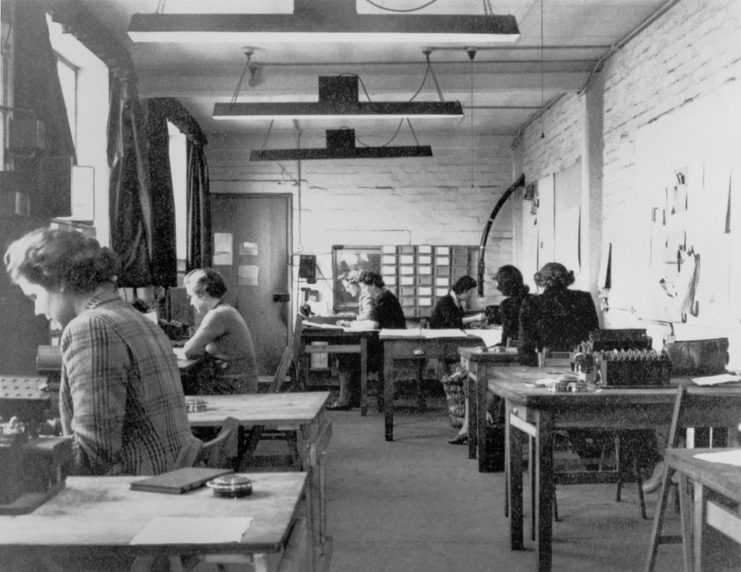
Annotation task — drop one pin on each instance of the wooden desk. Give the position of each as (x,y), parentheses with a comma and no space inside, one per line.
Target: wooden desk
(539,413)
(347,341)
(103,514)
(480,365)
(708,477)
(417,344)
(303,411)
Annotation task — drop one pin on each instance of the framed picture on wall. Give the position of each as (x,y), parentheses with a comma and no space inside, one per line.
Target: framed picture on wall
(351,258)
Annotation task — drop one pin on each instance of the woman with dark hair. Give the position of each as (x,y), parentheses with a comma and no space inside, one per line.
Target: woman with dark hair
(557,319)
(510,284)
(120,397)
(222,336)
(448,311)
(386,313)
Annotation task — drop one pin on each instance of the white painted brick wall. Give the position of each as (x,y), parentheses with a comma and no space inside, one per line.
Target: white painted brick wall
(376,202)
(685,55)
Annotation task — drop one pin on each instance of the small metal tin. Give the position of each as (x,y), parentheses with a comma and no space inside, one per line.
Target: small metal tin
(233,485)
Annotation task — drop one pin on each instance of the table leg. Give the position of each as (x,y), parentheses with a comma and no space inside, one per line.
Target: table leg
(388,390)
(363,376)
(514,475)
(471,411)
(686,517)
(544,489)
(481,434)
(699,521)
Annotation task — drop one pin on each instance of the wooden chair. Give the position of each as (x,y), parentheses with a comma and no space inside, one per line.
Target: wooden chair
(222,452)
(259,432)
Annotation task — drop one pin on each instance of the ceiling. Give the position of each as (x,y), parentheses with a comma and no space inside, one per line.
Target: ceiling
(511,82)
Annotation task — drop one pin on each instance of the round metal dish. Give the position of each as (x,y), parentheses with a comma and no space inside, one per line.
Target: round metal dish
(233,485)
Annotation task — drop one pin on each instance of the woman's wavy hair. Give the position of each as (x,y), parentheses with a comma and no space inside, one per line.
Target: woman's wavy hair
(510,281)
(371,279)
(61,259)
(206,280)
(463,284)
(554,275)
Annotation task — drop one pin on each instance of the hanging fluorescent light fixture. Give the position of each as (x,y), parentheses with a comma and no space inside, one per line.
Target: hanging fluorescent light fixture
(341,145)
(338,98)
(319,21)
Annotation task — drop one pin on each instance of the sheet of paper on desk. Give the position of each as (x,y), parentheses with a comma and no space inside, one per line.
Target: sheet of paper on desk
(716,379)
(442,333)
(310,324)
(730,457)
(193,530)
(491,337)
(398,333)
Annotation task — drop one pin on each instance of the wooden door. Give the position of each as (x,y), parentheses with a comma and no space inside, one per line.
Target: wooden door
(251,251)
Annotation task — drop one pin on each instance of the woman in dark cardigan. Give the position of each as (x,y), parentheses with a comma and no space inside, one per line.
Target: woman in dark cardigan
(557,319)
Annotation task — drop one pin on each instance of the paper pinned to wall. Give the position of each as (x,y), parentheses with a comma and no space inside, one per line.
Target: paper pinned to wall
(248,275)
(223,254)
(248,249)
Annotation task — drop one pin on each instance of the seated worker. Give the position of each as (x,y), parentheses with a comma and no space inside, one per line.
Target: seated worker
(510,284)
(348,365)
(222,336)
(120,397)
(448,311)
(387,313)
(557,319)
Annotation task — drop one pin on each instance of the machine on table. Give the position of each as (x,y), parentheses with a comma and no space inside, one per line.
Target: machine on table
(32,467)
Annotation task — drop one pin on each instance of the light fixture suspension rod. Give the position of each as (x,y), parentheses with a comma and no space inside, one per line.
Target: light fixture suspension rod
(434,77)
(237,89)
(471,55)
(412,130)
(265,139)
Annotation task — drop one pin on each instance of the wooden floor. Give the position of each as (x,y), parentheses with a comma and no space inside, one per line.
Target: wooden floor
(419,504)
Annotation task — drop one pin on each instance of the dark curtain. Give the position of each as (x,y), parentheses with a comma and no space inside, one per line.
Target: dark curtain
(199,254)
(164,251)
(130,201)
(38,94)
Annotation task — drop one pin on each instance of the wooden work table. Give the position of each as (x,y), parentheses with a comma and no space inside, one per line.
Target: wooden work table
(538,412)
(104,513)
(420,345)
(338,342)
(300,412)
(481,364)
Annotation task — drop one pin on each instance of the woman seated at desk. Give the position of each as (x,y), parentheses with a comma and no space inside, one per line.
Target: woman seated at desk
(120,396)
(387,313)
(448,311)
(222,336)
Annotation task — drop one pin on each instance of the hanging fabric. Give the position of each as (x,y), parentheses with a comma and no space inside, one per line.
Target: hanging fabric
(129,199)
(199,251)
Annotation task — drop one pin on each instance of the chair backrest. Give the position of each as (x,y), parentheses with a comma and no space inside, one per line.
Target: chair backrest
(296,347)
(221,452)
(280,373)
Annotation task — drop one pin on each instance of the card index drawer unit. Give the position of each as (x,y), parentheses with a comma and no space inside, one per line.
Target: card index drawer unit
(419,275)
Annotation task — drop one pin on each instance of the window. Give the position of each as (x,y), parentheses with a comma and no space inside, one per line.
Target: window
(178,166)
(68,79)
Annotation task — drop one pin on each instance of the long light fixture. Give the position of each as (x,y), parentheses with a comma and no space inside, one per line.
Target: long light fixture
(341,145)
(338,98)
(319,21)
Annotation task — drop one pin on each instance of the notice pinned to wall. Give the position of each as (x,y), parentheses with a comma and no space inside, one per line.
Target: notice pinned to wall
(247,275)
(223,254)
(248,249)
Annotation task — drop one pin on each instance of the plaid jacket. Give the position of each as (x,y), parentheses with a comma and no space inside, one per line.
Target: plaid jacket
(121,397)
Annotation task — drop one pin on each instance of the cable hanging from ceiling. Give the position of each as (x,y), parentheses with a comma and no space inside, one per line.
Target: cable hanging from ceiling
(471,55)
(542,86)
